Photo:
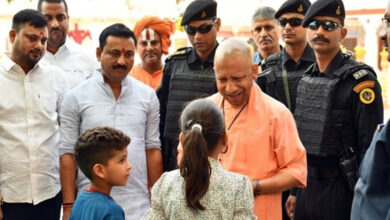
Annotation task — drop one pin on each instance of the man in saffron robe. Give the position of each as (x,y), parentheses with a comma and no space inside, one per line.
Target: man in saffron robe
(153,40)
(263,139)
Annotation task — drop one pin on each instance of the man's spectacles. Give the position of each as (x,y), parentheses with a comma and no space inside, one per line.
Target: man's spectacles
(294,22)
(203,29)
(327,25)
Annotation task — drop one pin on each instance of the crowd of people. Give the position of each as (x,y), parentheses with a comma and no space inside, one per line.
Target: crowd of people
(212,132)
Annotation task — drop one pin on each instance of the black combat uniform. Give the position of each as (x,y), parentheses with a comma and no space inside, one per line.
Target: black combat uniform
(281,74)
(337,112)
(185,78)
(284,89)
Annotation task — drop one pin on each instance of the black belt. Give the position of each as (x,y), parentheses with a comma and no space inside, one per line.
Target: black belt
(322,172)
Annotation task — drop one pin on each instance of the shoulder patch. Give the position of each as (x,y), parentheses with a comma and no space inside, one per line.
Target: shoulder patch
(367,96)
(365,84)
(179,52)
(359,74)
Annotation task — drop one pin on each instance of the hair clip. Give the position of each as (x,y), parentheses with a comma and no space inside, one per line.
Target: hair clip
(196,125)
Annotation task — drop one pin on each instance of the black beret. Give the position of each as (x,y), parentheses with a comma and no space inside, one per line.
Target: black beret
(200,10)
(332,8)
(293,6)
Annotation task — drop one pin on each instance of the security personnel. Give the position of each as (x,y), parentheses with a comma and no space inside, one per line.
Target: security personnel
(338,108)
(284,70)
(188,74)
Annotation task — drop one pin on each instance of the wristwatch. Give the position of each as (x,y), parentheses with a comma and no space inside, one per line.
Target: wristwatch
(257,191)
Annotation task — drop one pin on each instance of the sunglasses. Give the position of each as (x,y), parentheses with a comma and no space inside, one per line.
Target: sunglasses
(327,25)
(294,22)
(203,29)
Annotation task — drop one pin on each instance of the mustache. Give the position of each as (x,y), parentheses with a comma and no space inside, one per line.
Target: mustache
(120,67)
(265,38)
(56,29)
(320,38)
(36,51)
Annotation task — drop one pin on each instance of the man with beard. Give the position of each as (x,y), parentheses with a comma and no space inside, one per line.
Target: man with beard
(188,74)
(265,32)
(285,69)
(338,108)
(111,98)
(372,191)
(31,94)
(61,51)
(153,40)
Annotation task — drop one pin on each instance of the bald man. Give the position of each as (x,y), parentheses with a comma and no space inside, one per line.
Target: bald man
(263,139)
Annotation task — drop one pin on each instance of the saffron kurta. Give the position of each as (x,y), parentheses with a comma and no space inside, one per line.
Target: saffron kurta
(152,80)
(263,140)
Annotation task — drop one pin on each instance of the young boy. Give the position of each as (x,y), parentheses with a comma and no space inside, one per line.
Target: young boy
(101,153)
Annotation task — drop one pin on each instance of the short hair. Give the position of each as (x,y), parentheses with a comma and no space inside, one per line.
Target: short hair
(52,1)
(98,145)
(30,17)
(263,12)
(117,30)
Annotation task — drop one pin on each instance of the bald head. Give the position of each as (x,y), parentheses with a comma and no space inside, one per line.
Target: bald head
(233,48)
(234,71)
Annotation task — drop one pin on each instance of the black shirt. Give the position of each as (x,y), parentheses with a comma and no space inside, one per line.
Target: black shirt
(271,80)
(192,79)
(350,94)
(194,63)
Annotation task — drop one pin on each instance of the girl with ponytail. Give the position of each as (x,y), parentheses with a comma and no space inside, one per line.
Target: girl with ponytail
(201,188)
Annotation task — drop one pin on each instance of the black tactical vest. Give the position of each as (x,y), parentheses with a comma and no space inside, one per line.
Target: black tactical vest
(185,85)
(324,130)
(271,70)
(274,85)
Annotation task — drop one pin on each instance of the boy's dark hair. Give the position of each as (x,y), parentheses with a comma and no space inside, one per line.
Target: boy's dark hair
(52,1)
(97,145)
(117,30)
(30,17)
